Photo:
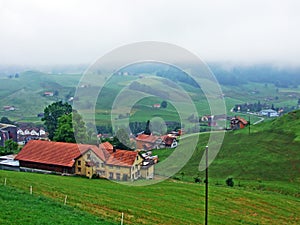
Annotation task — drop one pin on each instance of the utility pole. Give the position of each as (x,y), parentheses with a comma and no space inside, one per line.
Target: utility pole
(249,125)
(206,184)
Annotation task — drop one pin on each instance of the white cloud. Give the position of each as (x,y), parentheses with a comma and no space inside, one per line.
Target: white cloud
(46,32)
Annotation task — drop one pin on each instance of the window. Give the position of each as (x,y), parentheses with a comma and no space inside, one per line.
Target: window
(118,167)
(102,165)
(97,164)
(79,163)
(118,176)
(137,158)
(111,175)
(79,170)
(111,167)
(88,156)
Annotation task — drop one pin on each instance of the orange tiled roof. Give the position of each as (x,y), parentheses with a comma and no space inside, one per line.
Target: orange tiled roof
(122,158)
(53,153)
(243,120)
(168,140)
(106,147)
(101,153)
(147,138)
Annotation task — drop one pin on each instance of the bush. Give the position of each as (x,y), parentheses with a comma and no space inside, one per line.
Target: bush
(229,182)
(197,180)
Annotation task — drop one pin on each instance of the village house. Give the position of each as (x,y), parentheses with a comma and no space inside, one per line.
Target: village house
(213,120)
(85,160)
(269,113)
(7,131)
(148,142)
(124,165)
(156,106)
(238,123)
(48,93)
(169,141)
(9,108)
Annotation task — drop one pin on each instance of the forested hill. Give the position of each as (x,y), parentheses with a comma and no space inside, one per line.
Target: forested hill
(236,75)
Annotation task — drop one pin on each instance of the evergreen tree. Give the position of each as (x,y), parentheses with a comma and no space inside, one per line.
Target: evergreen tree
(164,104)
(147,129)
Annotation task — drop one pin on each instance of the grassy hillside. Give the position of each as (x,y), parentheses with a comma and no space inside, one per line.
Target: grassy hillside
(269,153)
(26,93)
(170,202)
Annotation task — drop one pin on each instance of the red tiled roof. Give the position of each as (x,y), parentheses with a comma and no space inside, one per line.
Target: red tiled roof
(243,120)
(147,138)
(53,153)
(107,148)
(101,153)
(122,158)
(168,140)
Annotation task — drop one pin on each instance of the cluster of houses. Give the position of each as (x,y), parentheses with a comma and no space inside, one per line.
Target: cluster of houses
(103,160)
(236,122)
(20,135)
(149,142)
(25,134)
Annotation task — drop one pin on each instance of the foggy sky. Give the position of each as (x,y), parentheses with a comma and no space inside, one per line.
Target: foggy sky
(71,32)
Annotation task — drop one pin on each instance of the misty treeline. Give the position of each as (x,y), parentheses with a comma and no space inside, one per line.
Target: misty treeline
(280,77)
(226,74)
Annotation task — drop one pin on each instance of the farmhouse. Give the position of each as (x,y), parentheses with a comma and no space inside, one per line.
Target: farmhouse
(269,113)
(238,123)
(85,160)
(148,142)
(169,141)
(7,131)
(9,108)
(48,93)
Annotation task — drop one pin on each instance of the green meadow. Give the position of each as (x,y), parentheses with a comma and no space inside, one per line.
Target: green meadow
(264,165)
(169,202)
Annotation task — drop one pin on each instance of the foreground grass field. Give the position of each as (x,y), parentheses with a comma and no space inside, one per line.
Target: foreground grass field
(169,202)
(18,207)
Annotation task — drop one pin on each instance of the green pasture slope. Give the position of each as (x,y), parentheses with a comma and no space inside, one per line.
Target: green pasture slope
(169,202)
(26,93)
(264,164)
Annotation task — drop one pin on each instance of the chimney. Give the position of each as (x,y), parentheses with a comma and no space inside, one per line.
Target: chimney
(114,149)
